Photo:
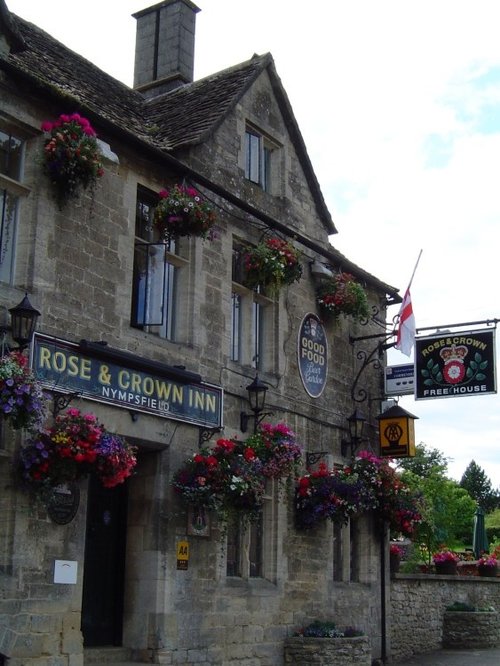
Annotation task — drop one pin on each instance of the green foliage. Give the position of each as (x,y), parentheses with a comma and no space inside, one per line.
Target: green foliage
(447,512)
(492,524)
(478,485)
(426,461)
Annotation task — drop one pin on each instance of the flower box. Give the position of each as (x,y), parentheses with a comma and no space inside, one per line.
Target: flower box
(488,570)
(471,629)
(347,651)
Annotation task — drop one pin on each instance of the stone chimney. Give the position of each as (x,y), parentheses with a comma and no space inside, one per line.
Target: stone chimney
(164,51)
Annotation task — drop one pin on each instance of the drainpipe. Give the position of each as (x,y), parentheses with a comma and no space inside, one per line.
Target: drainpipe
(383,593)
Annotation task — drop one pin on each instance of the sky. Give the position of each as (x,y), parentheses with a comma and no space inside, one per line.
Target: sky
(398,102)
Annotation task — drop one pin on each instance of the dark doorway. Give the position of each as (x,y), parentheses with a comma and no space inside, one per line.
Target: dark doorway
(103,575)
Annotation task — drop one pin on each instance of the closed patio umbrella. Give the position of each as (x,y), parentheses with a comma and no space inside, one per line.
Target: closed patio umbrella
(479,539)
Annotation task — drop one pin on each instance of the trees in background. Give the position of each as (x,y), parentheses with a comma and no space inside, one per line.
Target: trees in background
(478,485)
(447,509)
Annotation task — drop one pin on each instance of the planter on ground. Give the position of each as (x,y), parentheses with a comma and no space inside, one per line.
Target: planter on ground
(353,651)
(470,629)
(487,570)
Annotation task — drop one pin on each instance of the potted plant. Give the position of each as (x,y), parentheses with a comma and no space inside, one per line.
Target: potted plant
(395,555)
(322,642)
(72,159)
(445,562)
(22,401)
(272,264)
(182,211)
(487,565)
(342,295)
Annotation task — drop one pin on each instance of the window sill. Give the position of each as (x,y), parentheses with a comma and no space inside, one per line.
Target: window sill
(13,186)
(258,586)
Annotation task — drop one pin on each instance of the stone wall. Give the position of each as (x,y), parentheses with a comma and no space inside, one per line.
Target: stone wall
(418,604)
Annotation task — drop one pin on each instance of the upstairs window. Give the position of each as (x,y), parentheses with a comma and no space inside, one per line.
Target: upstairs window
(157,266)
(11,169)
(250,312)
(258,151)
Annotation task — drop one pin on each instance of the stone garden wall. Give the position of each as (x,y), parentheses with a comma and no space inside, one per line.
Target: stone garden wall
(418,603)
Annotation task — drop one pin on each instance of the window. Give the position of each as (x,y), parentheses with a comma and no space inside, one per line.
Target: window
(258,151)
(250,311)
(11,168)
(156,273)
(251,550)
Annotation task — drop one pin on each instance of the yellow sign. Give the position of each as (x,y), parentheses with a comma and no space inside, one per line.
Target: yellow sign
(182,555)
(183,550)
(397,433)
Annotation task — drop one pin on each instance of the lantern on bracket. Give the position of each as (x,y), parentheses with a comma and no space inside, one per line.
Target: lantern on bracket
(397,433)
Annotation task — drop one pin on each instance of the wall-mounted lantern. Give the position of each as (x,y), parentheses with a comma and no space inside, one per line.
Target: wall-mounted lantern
(356,428)
(23,319)
(257,399)
(397,433)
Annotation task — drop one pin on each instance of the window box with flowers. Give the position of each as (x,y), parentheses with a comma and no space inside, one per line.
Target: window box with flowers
(445,563)
(487,566)
(72,159)
(182,211)
(230,477)
(75,446)
(342,295)
(272,264)
(22,401)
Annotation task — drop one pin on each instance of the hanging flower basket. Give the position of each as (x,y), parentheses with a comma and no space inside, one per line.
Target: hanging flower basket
(75,446)
(326,495)
(182,211)
(22,401)
(230,477)
(367,484)
(72,159)
(225,479)
(275,448)
(272,264)
(342,295)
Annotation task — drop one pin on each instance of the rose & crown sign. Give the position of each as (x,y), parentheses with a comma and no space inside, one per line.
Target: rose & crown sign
(452,365)
(131,384)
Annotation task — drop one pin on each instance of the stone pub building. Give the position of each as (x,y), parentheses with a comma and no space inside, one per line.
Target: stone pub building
(177,337)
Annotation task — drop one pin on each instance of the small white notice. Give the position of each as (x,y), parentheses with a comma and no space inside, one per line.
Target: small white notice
(65,571)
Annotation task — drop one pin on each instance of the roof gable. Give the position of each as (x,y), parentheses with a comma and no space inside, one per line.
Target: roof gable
(189,115)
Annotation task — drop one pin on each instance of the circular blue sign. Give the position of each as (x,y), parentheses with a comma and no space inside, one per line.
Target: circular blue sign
(313,355)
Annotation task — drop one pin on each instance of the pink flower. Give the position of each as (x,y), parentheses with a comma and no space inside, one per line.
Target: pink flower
(46,126)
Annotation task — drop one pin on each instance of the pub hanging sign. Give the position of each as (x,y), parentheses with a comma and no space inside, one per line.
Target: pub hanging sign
(454,365)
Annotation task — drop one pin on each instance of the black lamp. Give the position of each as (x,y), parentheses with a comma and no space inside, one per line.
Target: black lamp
(356,426)
(257,398)
(23,318)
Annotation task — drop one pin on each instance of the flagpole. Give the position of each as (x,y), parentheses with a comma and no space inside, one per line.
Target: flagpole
(414,270)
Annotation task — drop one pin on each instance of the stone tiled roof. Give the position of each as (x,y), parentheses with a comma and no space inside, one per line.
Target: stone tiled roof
(189,114)
(182,117)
